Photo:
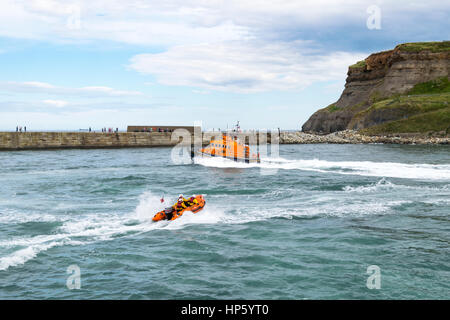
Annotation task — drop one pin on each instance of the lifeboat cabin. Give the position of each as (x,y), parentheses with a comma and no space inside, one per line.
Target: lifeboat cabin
(230,148)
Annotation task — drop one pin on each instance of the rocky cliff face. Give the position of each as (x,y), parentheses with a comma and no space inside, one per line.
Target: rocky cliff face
(380,76)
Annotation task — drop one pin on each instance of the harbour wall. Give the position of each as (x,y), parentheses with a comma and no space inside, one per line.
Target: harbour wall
(83,140)
(93,140)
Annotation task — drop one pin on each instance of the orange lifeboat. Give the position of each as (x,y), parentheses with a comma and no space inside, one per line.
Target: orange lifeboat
(171,214)
(230,148)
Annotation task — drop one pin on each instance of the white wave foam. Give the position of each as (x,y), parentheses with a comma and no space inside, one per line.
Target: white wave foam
(209,215)
(148,205)
(364,168)
(437,201)
(84,229)
(88,228)
(10,216)
(21,256)
(384,184)
(357,209)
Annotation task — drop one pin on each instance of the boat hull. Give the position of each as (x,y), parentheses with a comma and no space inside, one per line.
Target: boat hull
(162,215)
(236,159)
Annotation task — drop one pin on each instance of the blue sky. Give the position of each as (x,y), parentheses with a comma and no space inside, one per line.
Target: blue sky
(66,65)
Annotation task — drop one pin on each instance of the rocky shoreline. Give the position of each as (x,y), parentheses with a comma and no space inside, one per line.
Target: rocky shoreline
(353,137)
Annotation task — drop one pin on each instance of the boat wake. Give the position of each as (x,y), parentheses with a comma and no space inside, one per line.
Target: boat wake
(363,168)
(88,228)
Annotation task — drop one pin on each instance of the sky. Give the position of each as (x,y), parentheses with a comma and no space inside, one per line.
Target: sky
(75,64)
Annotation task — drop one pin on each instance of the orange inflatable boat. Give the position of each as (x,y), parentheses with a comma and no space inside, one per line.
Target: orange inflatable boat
(171,214)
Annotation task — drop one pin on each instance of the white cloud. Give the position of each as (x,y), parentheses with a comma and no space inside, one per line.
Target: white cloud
(109,91)
(34,104)
(43,87)
(36,84)
(132,22)
(56,103)
(201,92)
(50,7)
(228,45)
(179,22)
(244,67)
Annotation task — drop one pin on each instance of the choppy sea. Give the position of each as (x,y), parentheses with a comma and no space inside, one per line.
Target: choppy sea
(307,224)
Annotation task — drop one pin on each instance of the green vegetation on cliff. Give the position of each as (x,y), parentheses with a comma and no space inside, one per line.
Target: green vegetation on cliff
(439,46)
(332,108)
(410,104)
(425,108)
(439,85)
(392,90)
(435,121)
(359,64)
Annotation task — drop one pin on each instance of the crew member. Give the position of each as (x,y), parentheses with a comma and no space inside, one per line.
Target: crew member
(192,201)
(180,205)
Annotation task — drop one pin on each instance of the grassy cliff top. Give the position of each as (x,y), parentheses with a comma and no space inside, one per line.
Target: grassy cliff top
(359,64)
(438,46)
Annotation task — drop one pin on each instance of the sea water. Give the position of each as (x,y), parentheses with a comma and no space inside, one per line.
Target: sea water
(308,224)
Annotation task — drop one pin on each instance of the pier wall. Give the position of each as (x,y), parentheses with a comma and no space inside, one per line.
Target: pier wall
(88,140)
(92,140)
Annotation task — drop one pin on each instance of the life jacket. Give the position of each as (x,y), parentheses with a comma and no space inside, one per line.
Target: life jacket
(180,206)
(193,202)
